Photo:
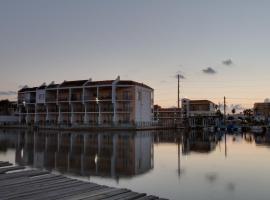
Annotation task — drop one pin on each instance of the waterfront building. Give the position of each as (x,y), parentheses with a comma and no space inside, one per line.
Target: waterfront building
(262,111)
(199,113)
(110,102)
(167,117)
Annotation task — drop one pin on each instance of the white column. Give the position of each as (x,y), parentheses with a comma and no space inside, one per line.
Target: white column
(86,117)
(27,115)
(47,112)
(36,115)
(72,114)
(114,103)
(98,103)
(114,155)
(59,114)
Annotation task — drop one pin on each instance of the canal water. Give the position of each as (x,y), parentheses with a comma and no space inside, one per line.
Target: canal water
(169,164)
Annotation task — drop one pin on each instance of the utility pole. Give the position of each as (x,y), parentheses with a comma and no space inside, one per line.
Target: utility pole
(225,126)
(178,95)
(224,110)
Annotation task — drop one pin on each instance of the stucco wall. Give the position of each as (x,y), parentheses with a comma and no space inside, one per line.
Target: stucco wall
(143,104)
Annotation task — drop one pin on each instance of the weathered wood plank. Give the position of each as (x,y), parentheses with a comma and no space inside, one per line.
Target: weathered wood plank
(8,169)
(31,192)
(88,194)
(124,196)
(27,181)
(30,173)
(148,198)
(51,192)
(42,185)
(108,195)
(5,164)
(71,192)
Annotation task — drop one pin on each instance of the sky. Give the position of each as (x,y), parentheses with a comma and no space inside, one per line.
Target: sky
(220,47)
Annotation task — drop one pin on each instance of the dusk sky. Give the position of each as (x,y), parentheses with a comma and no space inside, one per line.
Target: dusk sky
(221,47)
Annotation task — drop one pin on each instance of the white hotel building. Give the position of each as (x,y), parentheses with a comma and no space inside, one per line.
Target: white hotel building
(110,102)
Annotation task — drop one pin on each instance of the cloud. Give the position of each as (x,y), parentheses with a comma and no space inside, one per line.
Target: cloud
(229,108)
(7,93)
(209,70)
(267,100)
(227,62)
(163,81)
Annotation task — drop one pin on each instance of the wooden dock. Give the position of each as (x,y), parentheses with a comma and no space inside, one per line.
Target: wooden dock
(19,183)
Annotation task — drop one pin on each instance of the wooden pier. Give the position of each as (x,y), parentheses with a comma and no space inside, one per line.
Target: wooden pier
(16,182)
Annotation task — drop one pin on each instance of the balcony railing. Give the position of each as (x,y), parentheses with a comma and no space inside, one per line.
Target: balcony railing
(63,98)
(76,97)
(51,99)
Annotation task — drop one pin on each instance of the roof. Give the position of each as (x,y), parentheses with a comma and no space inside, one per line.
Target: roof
(121,82)
(33,89)
(42,87)
(51,86)
(80,83)
(73,83)
(201,102)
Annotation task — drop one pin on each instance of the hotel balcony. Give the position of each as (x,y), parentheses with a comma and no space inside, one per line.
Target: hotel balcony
(51,96)
(91,107)
(78,108)
(31,108)
(76,95)
(92,118)
(124,94)
(105,94)
(90,94)
(65,118)
(78,118)
(52,108)
(125,107)
(63,95)
(106,107)
(107,118)
(41,109)
(123,118)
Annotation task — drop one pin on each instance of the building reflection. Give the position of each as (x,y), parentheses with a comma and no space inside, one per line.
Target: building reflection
(262,139)
(96,154)
(200,142)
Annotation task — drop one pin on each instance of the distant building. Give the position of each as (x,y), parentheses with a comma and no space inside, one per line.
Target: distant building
(262,111)
(199,113)
(8,112)
(8,107)
(110,102)
(167,116)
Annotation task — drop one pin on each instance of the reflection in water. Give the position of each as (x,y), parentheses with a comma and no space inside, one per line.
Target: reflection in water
(182,162)
(200,142)
(103,154)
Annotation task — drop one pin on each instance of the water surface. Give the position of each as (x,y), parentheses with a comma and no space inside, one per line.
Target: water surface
(169,164)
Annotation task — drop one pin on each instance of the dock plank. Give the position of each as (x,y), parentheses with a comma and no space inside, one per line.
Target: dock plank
(43,185)
(8,169)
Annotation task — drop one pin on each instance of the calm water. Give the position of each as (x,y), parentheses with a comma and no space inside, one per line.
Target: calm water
(186,166)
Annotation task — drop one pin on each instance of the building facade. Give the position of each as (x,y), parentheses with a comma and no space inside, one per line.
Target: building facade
(199,113)
(111,102)
(167,117)
(262,111)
